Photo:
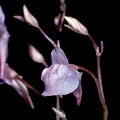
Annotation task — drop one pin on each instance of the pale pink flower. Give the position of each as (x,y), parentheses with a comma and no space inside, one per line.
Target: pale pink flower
(61,78)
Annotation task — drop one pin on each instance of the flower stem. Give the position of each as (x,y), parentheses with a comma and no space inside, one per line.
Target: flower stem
(100,83)
(98,54)
(27,84)
(100,93)
(57,107)
(48,38)
(92,40)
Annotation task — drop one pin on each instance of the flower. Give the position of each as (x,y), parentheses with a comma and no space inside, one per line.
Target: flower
(60,78)
(8,75)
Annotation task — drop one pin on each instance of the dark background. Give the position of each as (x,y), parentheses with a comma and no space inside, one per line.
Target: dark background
(99,18)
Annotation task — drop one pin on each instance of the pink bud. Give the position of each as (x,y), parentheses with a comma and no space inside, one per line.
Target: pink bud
(36,55)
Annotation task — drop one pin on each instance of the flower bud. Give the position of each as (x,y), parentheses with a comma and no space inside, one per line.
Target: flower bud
(76,26)
(36,55)
(29,18)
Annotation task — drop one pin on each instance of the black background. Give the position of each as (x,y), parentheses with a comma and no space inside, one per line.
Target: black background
(98,17)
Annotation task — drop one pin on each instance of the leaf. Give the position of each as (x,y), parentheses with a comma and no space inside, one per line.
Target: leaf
(29,18)
(36,55)
(76,26)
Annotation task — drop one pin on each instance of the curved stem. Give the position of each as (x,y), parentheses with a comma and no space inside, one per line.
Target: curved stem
(100,93)
(93,42)
(98,54)
(27,84)
(33,89)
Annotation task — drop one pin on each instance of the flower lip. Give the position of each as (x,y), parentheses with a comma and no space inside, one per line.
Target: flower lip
(52,75)
(59,80)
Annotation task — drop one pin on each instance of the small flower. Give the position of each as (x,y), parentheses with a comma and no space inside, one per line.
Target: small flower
(60,78)
(7,75)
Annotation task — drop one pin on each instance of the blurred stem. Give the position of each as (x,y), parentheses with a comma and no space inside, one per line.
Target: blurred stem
(47,37)
(57,107)
(100,93)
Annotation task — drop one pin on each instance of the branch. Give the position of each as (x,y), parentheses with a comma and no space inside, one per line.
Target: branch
(100,93)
